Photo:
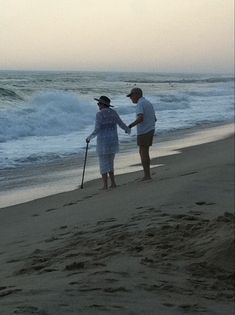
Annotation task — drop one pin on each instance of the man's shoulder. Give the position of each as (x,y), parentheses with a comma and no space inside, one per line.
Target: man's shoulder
(141,100)
(144,102)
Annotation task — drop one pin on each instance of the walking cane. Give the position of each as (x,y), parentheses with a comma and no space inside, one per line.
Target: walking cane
(84,166)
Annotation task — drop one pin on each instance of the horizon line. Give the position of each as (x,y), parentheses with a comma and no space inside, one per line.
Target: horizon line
(119,71)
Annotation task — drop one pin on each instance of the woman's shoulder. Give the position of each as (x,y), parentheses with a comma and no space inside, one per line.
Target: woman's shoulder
(109,111)
(113,112)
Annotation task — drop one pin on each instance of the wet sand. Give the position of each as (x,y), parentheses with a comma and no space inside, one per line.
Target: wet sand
(35,181)
(164,246)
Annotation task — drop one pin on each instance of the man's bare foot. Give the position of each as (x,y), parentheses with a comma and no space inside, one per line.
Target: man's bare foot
(145,178)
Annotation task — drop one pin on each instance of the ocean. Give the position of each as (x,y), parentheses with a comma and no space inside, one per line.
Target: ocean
(45,117)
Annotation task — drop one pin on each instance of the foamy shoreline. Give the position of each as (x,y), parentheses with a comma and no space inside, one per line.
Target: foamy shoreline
(37,181)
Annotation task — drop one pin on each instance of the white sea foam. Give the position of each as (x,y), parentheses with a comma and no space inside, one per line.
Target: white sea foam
(47,114)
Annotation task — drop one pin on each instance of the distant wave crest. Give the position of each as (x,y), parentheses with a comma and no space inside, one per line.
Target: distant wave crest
(9,94)
(185,81)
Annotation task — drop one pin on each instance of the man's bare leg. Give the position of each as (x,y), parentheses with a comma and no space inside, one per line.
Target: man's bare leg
(112,178)
(145,160)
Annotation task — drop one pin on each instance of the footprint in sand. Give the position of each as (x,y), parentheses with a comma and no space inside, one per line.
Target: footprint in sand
(189,173)
(74,283)
(111,280)
(192,308)
(151,208)
(163,215)
(106,308)
(195,212)
(48,270)
(75,266)
(202,203)
(184,217)
(29,310)
(63,227)
(168,304)
(51,209)
(69,204)
(12,261)
(5,291)
(114,290)
(108,228)
(105,221)
(99,306)
(229,215)
(88,197)
(2,288)
(52,239)
(77,201)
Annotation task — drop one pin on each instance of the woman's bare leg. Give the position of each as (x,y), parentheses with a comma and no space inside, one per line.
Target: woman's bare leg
(112,178)
(105,181)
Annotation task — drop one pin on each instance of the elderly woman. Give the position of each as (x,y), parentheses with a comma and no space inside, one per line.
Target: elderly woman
(106,123)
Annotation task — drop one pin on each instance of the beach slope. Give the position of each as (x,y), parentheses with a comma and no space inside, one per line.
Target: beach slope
(163,246)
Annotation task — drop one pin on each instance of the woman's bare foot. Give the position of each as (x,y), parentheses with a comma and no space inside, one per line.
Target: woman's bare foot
(113,186)
(104,188)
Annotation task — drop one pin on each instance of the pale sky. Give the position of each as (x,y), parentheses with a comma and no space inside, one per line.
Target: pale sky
(119,35)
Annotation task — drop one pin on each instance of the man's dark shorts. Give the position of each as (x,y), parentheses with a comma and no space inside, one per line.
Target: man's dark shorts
(146,139)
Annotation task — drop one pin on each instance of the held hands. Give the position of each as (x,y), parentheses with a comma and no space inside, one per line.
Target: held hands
(128,131)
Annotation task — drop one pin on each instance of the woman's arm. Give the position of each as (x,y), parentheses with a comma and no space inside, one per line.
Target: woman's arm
(121,124)
(97,128)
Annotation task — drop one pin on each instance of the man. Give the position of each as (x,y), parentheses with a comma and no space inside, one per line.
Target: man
(145,122)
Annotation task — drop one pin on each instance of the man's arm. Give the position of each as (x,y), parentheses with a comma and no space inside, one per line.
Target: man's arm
(139,119)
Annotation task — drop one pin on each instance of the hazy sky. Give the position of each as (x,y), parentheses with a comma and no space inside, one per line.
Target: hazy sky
(121,35)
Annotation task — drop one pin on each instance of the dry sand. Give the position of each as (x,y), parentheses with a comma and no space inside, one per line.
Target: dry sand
(159,247)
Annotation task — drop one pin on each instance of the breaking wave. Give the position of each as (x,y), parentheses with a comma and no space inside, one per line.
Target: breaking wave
(47,114)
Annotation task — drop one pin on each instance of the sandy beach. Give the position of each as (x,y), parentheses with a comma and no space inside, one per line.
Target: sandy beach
(163,246)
